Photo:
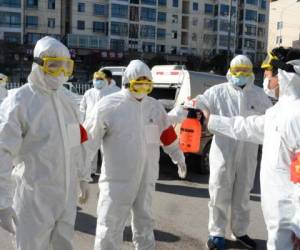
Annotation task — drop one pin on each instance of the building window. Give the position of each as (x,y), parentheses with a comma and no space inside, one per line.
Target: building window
(260,45)
(174,19)
(261,18)
(147,31)
(120,11)
(133,31)
(51,4)
(210,39)
(135,1)
(133,45)
(174,34)
(134,13)
(250,30)
(32,4)
(279,25)
(10,19)
(249,43)
(174,50)
(162,2)
(51,22)
(263,4)
(148,47)
(148,14)
(117,44)
(251,15)
(12,37)
(160,48)
(223,41)
(99,10)
(175,3)
(99,27)
(261,32)
(195,21)
(10,3)
(149,2)
(195,6)
(252,2)
(208,24)
(162,17)
(31,21)
(208,9)
(81,7)
(80,25)
(119,29)
(224,10)
(194,37)
(279,40)
(161,34)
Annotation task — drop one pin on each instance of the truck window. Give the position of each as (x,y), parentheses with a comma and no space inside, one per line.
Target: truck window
(118,80)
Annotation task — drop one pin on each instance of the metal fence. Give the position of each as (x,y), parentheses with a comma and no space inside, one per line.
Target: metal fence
(80,87)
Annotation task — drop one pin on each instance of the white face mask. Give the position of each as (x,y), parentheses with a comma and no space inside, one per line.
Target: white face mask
(269,92)
(138,96)
(54,83)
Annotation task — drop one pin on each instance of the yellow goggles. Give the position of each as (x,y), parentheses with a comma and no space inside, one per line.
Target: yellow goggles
(55,66)
(98,75)
(266,64)
(141,86)
(241,70)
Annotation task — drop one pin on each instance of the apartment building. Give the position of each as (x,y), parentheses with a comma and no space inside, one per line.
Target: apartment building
(284,27)
(10,21)
(178,27)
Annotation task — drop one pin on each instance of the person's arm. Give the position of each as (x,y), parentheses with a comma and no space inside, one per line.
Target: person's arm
(11,136)
(82,108)
(96,128)
(249,128)
(170,143)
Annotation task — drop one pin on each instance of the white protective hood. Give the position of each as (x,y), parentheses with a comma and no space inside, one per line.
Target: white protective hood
(136,69)
(289,83)
(50,47)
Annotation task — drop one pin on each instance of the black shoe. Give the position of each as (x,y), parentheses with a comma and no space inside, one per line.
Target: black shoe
(245,240)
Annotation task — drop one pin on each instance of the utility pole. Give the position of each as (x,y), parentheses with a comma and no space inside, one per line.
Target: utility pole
(229,33)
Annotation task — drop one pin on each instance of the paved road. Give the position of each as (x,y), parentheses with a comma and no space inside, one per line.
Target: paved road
(181,213)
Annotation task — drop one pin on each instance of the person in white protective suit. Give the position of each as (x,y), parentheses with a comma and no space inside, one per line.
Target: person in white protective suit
(232,163)
(278,130)
(40,131)
(103,85)
(131,126)
(3,90)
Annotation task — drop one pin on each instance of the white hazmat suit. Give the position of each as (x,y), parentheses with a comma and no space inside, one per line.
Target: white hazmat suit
(278,131)
(131,131)
(232,163)
(88,102)
(3,90)
(39,132)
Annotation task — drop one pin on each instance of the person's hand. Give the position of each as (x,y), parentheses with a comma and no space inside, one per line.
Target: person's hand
(84,192)
(296,242)
(182,170)
(206,114)
(8,219)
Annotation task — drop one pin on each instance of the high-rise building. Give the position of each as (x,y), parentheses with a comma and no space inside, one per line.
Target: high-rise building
(11,21)
(284,27)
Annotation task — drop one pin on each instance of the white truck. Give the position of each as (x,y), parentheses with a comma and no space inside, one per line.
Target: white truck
(173,84)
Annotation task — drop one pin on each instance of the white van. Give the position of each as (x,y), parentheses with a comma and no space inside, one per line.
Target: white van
(173,84)
(117,72)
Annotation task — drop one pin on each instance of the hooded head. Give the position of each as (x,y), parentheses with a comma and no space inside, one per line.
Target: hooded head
(240,72)
(282,73)
(52,64)
(3,80)
(138,79)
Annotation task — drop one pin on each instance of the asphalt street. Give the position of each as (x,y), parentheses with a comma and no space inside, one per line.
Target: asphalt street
(181,215)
